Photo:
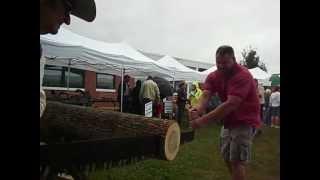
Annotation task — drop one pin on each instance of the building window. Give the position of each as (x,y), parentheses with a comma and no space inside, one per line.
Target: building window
(56,76)
(105,81)
(202,69)
(76,78)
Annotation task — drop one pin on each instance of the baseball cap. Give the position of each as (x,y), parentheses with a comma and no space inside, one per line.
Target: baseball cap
(84,9)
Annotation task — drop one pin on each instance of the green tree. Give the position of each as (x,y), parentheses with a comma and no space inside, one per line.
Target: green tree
(251,59)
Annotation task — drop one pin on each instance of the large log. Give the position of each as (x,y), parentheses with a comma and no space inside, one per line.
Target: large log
(71,123)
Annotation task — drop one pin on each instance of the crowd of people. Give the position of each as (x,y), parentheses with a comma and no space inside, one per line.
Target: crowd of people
(157,90)
(269,105)
(135,98)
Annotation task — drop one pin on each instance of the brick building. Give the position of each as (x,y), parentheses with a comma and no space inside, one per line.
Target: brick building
(101,87)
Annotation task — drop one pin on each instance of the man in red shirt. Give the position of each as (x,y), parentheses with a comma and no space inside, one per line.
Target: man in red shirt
(239,110)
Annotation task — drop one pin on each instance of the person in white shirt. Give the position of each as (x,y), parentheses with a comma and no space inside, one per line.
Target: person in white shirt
(275,107)
(267,116)
(262,100)
(260,93)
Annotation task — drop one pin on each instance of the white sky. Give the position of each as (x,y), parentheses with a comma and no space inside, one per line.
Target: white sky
(188,28)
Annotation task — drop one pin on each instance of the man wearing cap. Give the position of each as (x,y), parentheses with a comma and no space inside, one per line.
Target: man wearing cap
(239,110)
(53,13)
(149,92)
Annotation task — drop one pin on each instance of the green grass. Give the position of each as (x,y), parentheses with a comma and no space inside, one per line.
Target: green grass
(200,159)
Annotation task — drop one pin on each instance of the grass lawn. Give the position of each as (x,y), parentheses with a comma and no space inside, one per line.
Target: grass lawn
(200,160)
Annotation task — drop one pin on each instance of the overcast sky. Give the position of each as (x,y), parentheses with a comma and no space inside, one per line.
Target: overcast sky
(191,29)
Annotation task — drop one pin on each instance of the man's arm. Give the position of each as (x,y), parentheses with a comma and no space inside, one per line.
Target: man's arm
(224,109)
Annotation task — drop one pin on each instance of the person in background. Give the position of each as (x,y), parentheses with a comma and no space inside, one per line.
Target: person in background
(181,101)
(126,93)
(195,94)
(262,100)
(149,92)
(260,94)
(164,86)
(275,107)
(267,117)
(135,103)
(166,92)
(175,105)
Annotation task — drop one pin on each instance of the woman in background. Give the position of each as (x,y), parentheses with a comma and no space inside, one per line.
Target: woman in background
(136,105)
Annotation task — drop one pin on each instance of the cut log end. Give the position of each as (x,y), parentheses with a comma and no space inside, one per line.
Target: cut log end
(172,142)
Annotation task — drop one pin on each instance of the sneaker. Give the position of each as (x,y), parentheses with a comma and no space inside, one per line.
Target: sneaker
(277,127)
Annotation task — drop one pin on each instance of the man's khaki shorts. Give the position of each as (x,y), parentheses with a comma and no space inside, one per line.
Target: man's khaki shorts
(235,143)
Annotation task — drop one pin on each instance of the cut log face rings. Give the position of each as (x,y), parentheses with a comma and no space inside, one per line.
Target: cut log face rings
(172,142)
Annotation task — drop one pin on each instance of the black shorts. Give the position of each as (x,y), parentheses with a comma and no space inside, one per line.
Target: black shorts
(275,111)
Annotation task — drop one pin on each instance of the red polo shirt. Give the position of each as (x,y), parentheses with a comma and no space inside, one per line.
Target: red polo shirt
(241,84)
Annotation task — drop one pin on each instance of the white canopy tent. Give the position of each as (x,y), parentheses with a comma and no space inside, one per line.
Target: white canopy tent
(180,72)
(262,76)
(67,48)
(72,50)
(258,73)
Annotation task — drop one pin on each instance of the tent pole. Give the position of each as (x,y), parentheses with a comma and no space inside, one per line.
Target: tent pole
(173,82)
(68,79)
(121,103)
(188,89)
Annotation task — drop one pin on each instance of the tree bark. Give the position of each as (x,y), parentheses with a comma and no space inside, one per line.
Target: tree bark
(65,122)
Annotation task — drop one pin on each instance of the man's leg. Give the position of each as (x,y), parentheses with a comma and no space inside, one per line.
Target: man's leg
(273,113)
(183,116)
(277,118)
(276,121)
(154,109)
(240,150)
(238,170)
(225,140)
(272,121)
(125,105)
(268,118)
